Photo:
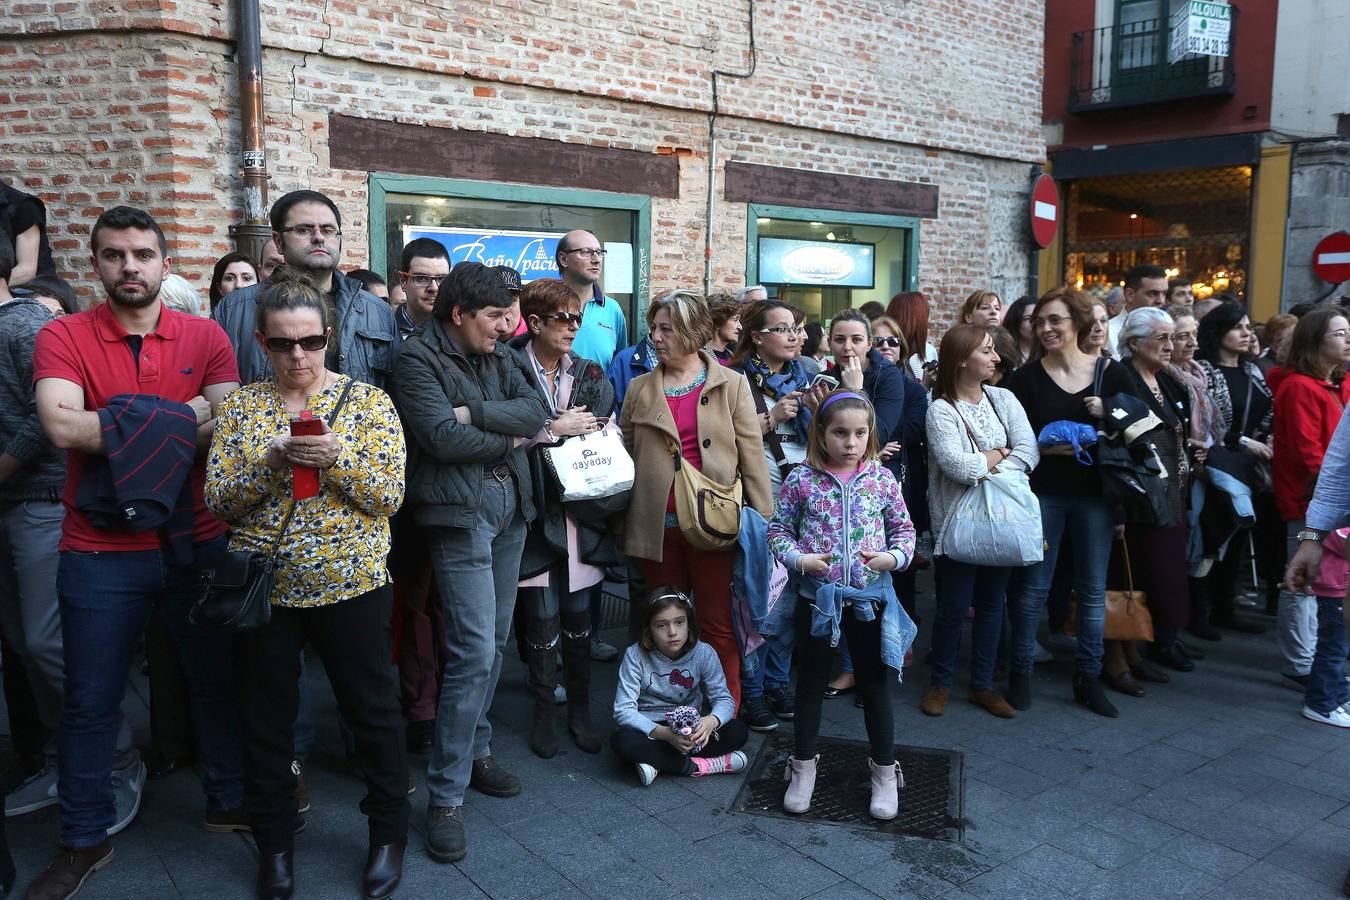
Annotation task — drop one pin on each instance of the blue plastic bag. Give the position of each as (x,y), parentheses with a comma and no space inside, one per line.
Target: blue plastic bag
(1065,431)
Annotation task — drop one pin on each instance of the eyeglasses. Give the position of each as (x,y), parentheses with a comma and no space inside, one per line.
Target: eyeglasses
(885,342)
(781,330)
(285,345)
(423,281)
(307,230)
(566,318)
(1339,334)
(589,252)
(1052,321)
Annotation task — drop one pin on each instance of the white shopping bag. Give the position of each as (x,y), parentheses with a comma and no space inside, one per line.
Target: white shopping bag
(590,466)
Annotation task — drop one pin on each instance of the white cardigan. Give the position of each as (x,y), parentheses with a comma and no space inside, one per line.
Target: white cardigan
(953,465)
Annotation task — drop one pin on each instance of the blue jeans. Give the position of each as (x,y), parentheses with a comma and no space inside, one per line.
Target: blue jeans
(959,586)
(477,570)
(775,660)
(1087,524)
(1326,680)
(106,598)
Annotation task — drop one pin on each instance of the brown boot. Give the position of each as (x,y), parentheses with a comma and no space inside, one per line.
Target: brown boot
(67,873)
(992,701)
(934,702)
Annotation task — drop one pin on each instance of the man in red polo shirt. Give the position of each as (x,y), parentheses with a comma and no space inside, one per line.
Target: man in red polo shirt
(110,580)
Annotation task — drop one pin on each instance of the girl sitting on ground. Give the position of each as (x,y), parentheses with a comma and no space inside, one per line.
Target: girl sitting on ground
(839,526)
(667,670)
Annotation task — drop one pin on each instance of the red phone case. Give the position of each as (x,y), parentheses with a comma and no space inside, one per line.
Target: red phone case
(304,479)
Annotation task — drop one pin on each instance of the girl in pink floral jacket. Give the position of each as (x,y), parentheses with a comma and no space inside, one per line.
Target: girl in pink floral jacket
(840,526)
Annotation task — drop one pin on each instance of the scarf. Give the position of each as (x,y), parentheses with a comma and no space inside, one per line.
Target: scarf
(1206,420)
(775,384)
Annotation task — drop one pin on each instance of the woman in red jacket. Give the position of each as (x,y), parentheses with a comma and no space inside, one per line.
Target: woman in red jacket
(1308,406)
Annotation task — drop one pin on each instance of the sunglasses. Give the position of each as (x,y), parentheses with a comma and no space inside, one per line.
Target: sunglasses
(886,342)
(566,318)
(286,345)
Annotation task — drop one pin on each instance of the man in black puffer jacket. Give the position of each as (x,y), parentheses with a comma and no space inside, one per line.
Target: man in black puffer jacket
(467,405)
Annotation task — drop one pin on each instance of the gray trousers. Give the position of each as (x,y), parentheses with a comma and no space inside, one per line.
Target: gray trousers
(1296,620)
(30,616)
(477,570)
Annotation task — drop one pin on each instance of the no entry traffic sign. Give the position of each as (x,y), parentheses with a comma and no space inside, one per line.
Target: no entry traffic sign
(1044,210)
(1331,258)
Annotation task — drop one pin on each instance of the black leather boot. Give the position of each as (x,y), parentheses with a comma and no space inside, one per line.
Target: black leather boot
(1087,691)
(384,870)
(275,875)
(541,655)
(1200,625)
(1019,690)
(576,656)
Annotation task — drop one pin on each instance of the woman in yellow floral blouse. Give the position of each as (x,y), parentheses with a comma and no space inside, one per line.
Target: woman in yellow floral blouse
(332,588)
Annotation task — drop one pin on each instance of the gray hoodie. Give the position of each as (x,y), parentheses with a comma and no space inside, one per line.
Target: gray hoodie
(42,472)
(650,685)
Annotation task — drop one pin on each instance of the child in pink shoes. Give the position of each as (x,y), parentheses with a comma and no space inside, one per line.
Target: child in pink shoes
(667,671)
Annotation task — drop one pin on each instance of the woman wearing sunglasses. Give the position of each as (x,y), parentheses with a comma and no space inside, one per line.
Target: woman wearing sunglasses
(561,569)
(332,589)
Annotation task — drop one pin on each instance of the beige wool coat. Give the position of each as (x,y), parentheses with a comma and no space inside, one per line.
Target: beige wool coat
(729,439)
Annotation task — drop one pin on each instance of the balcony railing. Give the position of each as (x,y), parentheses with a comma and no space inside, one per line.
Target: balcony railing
(1126,65)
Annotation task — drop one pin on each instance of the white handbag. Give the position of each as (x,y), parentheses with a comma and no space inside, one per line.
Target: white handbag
(996,522)
(590,466)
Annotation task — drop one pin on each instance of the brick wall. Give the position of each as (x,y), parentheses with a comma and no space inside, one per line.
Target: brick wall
(104,102)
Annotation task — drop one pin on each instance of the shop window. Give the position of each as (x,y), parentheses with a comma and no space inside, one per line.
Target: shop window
(833,262)
(1194,223)
(514,226)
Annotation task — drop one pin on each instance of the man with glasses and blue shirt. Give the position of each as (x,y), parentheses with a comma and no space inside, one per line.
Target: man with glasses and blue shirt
(422,267)
(307,227)
(603,327)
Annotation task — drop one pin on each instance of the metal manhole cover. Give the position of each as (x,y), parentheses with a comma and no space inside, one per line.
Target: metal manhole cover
(930,801)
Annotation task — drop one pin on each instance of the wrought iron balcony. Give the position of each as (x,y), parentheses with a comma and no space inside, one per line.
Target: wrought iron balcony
(1126,65)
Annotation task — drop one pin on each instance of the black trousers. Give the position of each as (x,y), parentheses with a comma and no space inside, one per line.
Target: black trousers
(633,746)
(352,640)
(864,648)
(170,699)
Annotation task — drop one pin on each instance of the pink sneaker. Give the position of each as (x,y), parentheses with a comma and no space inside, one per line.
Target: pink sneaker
(718,765)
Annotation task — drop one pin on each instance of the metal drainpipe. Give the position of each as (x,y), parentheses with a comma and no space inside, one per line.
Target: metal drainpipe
(250,236)
(1034,253)
(712,148)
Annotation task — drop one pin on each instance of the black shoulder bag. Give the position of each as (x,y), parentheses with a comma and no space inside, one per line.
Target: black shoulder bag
(237,585)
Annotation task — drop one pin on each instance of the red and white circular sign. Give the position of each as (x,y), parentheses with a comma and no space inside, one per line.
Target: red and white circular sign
(1331,258)
(1044,210)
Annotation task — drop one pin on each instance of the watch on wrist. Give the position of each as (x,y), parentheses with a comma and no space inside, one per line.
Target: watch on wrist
(548,432)
(1311,534)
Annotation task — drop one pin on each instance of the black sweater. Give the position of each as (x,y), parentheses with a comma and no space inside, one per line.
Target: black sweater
(1046,402)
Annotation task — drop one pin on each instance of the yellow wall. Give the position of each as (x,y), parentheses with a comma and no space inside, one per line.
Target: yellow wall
(1270,211)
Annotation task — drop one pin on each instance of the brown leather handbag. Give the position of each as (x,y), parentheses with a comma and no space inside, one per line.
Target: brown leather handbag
(1127,615)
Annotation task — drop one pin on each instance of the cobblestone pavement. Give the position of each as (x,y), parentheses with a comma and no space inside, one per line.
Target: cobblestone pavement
(1212,786)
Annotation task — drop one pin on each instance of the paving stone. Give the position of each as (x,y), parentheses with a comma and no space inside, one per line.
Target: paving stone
(1101,848)
(843,850)
(1144,830)
(792,876)
(1015,780)
(1006,883)
(1320,851)
(895,878)
(1152,877)
(1206,856)
(1064,870)
(1265,881)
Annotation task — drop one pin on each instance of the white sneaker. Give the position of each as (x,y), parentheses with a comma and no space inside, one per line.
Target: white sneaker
(35,793)
(128,784)
(602,652)
(1339,716)
(646,774)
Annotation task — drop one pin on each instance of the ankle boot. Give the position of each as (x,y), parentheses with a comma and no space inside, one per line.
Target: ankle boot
(800,775)
(576,655)
(1019,690)
(886,784)
(541,666)
(275,879)
(1200,625)
(1087,691)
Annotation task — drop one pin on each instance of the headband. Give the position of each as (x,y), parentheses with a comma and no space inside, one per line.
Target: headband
(841,395)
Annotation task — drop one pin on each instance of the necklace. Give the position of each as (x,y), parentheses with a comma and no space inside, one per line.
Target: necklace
(690,387)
